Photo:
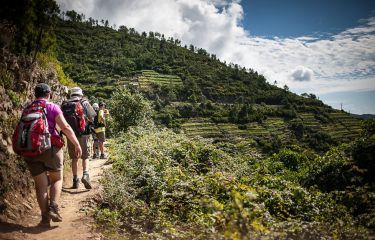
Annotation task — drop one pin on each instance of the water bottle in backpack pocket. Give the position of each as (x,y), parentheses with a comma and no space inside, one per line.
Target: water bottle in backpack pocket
(31,136)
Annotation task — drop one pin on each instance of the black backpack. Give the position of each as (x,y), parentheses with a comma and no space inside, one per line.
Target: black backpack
(97,124)
(73,113)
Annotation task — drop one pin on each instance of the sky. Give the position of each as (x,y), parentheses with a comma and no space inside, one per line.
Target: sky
(325,47)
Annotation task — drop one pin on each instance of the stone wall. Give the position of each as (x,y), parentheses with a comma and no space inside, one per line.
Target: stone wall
(18,77)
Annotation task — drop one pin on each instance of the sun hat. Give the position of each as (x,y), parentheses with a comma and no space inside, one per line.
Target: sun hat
(95,105)
(76,91)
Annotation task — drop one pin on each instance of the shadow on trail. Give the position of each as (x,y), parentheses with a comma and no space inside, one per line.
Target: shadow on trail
(74,191)
(14,227)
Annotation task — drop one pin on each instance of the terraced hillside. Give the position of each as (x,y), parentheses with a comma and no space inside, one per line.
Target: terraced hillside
(229,132)
(147,77)
(202,86)
(278,126)
(342,128)
(346,127)
(203,127)
(310,121)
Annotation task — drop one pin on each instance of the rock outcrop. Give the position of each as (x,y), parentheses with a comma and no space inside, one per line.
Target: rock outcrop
(18,77)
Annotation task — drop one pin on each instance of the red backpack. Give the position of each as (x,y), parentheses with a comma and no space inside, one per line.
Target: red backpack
(73,113)
(31,136)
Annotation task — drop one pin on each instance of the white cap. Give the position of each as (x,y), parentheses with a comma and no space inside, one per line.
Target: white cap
(95,105)
(76,91)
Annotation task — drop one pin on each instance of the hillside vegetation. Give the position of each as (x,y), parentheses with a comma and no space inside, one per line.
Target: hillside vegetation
(241,158)
(201,149)
(194,92)
(166,185)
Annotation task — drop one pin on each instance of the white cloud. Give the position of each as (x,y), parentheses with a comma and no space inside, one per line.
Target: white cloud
(301,73)
(341,62)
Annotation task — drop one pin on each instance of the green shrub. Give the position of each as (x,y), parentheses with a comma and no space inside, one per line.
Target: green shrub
(15,98)
(128,109)
(298,127)
(368,128)
(167,116)
(331,171)
(319,140)
(290,159)
(167,185)
(108,218)
(6,79)
(48,60)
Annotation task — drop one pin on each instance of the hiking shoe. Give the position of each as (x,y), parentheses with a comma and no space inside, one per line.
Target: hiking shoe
(46,221)
(86,181)
(102,156)
(53,213)
(75,183)
(94,156)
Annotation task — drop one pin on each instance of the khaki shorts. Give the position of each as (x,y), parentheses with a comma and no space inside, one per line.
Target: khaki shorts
(84,142)
(101,137)
(51,160)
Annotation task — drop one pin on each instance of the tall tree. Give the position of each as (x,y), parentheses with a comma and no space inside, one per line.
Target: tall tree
(34,21)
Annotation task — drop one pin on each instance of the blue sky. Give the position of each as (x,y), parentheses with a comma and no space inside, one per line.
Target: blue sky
(319,18)
(294,18)
(314,46)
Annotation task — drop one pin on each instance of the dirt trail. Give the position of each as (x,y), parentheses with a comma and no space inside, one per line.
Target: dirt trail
(74,206)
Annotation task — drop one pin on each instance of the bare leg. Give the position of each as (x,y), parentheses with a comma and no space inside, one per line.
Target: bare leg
(96,147)
(85,155)
(41,188)
(75,166)
(85,165)
(56,185)
(101,146)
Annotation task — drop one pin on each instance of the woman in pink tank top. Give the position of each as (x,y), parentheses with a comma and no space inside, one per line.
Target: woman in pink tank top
(47,167)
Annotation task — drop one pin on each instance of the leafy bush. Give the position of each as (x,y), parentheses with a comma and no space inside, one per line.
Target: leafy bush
(6,80)
(128,109)
(369,128)
(319,140)
(291,160)
(271,145)
(298,127)
(329,171)
(15,98)
(164,185)
(107,217)
(47,60)
(167,116)
(363,153)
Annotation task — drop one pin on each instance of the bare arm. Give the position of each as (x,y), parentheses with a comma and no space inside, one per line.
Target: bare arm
(69,133)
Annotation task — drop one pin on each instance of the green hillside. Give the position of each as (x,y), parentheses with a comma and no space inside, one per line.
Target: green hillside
(109,55)
(241,158)
(199,149)
(187,84)
(211,182)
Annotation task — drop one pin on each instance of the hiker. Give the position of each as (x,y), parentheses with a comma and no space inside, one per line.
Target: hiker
(43,116)
(95,146)
(79,114)
(99,123)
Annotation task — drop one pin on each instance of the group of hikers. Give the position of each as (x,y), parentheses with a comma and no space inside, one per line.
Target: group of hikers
(39,141)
